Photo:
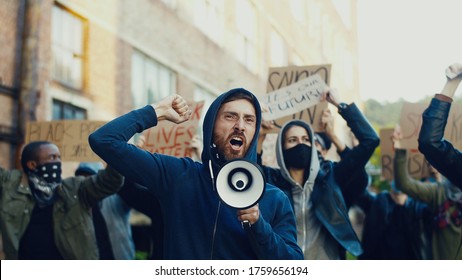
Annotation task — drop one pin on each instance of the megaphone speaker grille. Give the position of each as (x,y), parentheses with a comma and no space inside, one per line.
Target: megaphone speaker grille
(240,184)
(240,179)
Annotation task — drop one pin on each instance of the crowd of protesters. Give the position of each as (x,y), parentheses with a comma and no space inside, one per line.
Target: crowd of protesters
(302,212)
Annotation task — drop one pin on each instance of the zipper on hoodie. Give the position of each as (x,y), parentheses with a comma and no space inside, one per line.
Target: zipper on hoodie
(218,211)
(215,230)
(304,216)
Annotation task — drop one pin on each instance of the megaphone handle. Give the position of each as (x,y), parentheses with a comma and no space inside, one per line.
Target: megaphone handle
(246,224)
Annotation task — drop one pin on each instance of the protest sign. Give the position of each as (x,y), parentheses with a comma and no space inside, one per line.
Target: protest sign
(71,137)
(453,131)
(417,165)
(280,77)
(411,122)
(294,98)
(174,139)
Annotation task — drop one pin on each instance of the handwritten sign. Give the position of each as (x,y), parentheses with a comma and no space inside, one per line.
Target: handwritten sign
(280,77)
(174,139)
(71,137)
(411,123)
(294,98)
(417,165)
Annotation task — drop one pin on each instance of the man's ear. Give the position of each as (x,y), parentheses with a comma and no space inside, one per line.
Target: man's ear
(31,164)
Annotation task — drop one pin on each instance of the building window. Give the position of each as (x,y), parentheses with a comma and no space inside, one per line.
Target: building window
(170,3)
(201,94)
(151,81)
(66,111)
(297,7)
(348,69)
(327,35)
(343,8)
(246,38)
(278,50)
(297,59)
(67,48)
(209,18)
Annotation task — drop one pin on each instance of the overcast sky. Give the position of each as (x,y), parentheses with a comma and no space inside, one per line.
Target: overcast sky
(405,46)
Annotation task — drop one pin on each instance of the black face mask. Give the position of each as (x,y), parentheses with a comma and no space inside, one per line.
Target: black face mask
(44,181)
(298,156)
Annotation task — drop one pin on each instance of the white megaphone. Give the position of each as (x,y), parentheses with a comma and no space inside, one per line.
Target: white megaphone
(240,183)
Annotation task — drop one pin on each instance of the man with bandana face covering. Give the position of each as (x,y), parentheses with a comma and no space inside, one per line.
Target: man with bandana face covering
(46,217)
(321,191)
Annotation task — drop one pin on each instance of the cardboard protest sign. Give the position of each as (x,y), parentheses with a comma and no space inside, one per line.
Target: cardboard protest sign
(417,166)
(411,122)
(71,137)
(280,77)
(453,131)
(174,139)
(294,98)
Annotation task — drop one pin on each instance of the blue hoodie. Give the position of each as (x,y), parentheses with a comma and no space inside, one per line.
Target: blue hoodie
(197,224)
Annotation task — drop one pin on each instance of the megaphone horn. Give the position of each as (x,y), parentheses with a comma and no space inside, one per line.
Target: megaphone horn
(240,179)
(240,183)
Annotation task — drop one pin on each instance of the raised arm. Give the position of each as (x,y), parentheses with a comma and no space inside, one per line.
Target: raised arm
(96,187)
(422,191)
(110,141)
(351,168)
(439,152)
(362,130)
(327,122)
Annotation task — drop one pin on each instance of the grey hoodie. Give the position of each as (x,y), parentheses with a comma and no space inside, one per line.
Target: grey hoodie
(314,240)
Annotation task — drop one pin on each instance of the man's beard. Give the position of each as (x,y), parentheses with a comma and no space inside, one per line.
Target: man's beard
(224,150)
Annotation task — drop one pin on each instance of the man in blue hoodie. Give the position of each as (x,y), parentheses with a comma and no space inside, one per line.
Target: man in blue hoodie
(197,225)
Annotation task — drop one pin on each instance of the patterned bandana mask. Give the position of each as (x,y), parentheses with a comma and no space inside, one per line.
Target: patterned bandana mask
(44,182)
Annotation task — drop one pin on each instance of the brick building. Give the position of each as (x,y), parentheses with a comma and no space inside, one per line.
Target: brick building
(79,59)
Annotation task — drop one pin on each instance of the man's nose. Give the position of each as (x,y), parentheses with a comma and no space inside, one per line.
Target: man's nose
(239,125)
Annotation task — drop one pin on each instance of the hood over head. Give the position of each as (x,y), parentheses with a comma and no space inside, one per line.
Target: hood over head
(209,153)
(314,166)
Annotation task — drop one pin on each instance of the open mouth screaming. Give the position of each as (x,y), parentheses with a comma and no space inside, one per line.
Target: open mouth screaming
(236,142)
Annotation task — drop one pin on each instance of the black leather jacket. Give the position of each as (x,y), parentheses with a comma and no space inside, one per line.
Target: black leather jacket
(440,153)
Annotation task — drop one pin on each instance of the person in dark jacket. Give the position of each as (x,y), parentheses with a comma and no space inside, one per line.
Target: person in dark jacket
(111,218)
(439,152)
(43,216)
(197,224)
(443,198)
(143,200)
(321,191)
(396,226)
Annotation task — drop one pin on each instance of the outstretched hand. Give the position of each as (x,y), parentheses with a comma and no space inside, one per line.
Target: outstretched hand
(454,76)
(172,108)
(454,71)
(332,96)
(327,122)
(396,137)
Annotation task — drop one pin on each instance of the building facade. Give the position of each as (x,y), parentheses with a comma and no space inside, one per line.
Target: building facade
(80,59)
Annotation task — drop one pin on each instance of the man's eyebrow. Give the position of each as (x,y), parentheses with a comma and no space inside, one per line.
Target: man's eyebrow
(230,112)
(237,114)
